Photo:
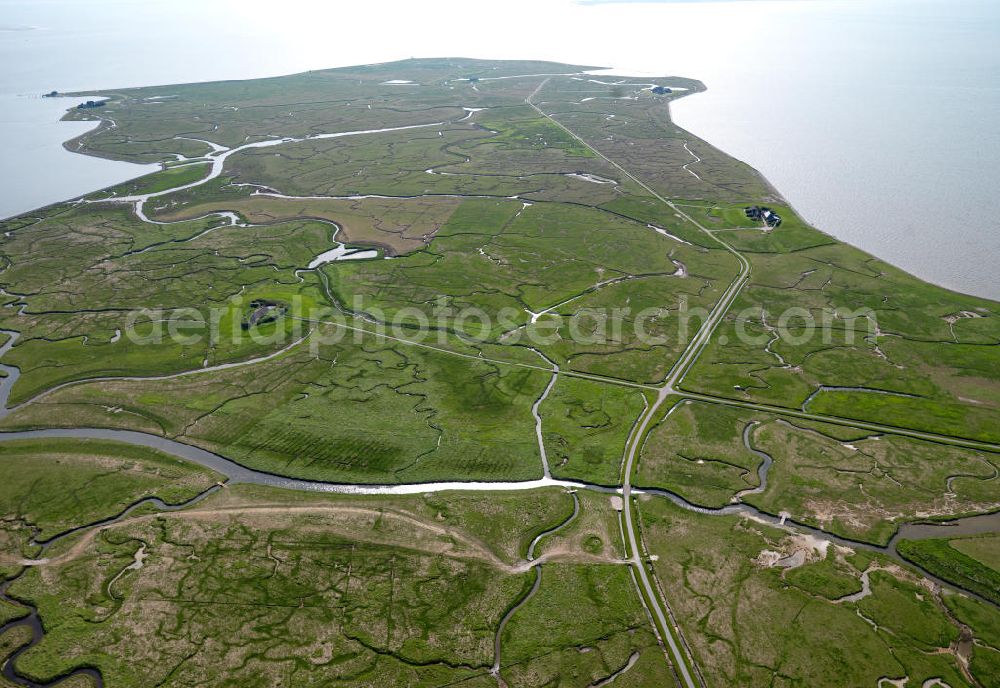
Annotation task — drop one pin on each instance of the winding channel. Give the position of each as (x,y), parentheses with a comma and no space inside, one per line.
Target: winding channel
(220,153)
(916,530)
(32,621)
(546,473)
(34,624)
(495,670)
(236,473)
(762,470)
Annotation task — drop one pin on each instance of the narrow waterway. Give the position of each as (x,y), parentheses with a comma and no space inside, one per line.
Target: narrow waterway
(495,670)
(34,624)
(220,154)
(970,525)
(762,469)
(237,473)
(546,472)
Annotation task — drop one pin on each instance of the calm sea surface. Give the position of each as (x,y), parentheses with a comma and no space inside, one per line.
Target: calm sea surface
(878,119)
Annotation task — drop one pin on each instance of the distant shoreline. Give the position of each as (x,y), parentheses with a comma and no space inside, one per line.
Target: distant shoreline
(74,144)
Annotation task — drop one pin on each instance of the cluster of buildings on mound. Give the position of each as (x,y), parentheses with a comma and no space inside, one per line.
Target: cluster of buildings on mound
(82,106)
(765,215)
(262,311)
(661,90)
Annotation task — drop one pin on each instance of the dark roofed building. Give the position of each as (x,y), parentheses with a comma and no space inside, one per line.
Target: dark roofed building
(261,312)
(763,214)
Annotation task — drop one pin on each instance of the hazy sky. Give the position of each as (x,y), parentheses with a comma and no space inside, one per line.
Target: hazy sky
(234,38)
(95,43)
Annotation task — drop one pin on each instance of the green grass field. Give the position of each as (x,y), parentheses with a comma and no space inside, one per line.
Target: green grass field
(748,622)
(523,217)
(52,486)
(164,180)
(346,589)
(970,563)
